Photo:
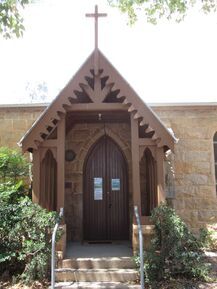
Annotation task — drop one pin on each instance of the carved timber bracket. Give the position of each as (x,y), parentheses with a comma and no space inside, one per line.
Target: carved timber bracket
(97,93)
(106,86)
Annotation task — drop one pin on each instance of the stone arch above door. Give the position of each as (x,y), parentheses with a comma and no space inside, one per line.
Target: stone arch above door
(124,146)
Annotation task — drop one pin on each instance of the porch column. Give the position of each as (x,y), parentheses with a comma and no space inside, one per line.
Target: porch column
(135,162)
(160,176)
(61,163)
(36,177)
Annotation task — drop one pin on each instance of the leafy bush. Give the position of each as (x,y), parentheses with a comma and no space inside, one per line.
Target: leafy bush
(25,228)
(25,239)
(175,251)
(209,236)
(13,165)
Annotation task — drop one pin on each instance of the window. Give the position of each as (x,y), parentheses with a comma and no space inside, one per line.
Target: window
(215,158)
(148,183)
(48,182)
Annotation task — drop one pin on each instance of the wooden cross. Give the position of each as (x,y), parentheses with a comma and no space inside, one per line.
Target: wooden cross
(96,15)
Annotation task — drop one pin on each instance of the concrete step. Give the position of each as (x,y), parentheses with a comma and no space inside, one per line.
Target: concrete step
(98,263)
(95,285)
(96,275)
(211,258)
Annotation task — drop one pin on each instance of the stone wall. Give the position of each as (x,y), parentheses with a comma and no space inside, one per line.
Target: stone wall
(194,160)
(194,126)
(15,120)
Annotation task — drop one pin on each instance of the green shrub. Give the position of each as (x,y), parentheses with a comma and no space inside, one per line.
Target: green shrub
(25,238)
(175,251)
(25,228)
(13,165)
(209,237)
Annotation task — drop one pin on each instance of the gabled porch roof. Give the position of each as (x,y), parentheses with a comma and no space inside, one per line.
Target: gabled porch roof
(96,93)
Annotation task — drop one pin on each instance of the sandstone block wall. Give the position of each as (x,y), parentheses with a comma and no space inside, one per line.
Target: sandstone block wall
(15,121)
(194,126)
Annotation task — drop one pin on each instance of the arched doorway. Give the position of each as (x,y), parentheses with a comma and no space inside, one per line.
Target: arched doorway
(105,202)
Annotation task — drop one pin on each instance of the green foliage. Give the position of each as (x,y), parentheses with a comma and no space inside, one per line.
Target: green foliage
(10,193)
(11,21)
(13,165)
(25,234)
(25,228)
(209,237)
(154,10)
(175,251)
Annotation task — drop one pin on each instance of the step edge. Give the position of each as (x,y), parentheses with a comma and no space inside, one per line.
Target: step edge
(98,259)
(65,285)
(127,270)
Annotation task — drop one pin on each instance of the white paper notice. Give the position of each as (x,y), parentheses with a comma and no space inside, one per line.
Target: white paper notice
(116,184)
(98,189)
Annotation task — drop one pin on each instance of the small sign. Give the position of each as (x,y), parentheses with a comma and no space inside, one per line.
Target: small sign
(98,189)
(116,184)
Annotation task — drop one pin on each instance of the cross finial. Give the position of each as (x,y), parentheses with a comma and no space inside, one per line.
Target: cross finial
(96,15)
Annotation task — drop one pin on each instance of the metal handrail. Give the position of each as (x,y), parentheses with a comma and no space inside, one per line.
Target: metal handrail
(136,211)
(53,249)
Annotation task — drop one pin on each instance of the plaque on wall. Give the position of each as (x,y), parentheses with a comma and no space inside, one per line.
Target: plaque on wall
(70,155)
(116,185)
(98,189)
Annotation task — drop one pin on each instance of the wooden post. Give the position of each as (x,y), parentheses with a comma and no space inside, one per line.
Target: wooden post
(135,162)
(160,176)
(135,176)
(61,163)
(36,177)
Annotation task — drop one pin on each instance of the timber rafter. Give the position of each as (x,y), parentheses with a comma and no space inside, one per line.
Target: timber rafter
(87,91)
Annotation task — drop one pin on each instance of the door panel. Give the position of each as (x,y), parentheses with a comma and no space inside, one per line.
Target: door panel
(95,210)
(106,219)
(118,203)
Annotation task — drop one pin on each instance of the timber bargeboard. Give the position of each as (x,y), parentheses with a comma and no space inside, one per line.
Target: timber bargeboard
(128,100)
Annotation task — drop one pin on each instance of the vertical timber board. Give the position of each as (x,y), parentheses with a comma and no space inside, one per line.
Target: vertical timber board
(60,163)
(160,176)
(135,162)
(36,176)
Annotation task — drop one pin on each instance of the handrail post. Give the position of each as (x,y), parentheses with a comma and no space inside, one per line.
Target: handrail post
(136,211)
(53,249)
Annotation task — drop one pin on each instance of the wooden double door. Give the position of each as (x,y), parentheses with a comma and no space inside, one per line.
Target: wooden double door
(105,202)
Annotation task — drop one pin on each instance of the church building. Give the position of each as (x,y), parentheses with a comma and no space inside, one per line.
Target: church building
(99,150)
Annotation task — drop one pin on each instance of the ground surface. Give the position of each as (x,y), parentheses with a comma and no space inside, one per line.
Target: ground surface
(35,285)
(185,285)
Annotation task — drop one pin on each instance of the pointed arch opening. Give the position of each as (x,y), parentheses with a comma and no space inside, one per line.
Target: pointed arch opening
(148,183)
(48,182)
(105,197)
